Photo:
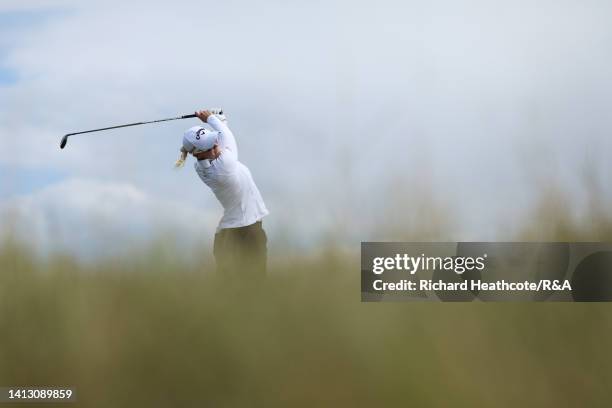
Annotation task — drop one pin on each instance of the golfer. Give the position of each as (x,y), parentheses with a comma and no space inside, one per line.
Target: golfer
(240,246)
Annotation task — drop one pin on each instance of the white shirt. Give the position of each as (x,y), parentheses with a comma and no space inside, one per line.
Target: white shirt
(231,182)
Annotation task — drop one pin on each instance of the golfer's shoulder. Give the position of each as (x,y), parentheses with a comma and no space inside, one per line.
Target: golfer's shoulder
(225,163)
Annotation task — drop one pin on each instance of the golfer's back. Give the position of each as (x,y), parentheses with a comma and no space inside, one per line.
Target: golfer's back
(231,182)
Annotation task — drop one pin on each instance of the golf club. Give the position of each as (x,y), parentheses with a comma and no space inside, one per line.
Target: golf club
(65,138)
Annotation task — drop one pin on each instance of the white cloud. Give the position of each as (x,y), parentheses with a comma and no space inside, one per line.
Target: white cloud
(92,218)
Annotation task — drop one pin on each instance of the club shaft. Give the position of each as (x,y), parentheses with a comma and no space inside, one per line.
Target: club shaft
(64,140)
(131,124)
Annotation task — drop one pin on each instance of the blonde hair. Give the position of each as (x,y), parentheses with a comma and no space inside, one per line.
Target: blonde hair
(183,157)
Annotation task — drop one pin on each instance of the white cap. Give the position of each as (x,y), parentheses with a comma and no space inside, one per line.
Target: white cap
(200,138)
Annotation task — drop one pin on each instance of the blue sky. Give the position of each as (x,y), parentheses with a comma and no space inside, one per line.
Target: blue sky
(19,181)
(7,76)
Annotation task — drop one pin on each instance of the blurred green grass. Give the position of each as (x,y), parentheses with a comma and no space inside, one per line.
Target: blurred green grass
(151,330)
(159,334)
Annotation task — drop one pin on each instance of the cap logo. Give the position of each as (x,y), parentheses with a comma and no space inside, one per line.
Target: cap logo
(199,133)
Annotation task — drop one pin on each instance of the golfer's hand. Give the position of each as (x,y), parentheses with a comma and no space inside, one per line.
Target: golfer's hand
(200,156)
(203,115)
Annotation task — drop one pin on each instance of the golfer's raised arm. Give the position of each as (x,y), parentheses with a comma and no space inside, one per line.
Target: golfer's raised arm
(226,139)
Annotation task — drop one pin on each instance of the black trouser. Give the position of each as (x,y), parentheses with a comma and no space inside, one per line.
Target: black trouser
(242,251)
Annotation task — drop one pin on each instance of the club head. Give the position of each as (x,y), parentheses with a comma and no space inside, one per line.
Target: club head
(64,141)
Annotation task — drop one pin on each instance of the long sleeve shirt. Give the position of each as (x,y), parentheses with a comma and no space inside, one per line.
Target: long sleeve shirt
(231,182)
